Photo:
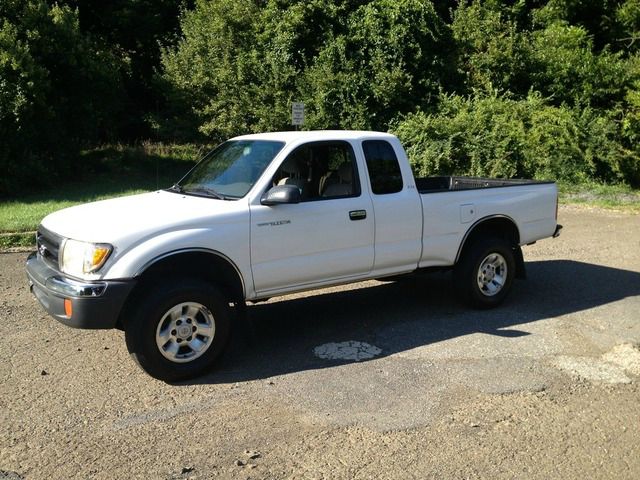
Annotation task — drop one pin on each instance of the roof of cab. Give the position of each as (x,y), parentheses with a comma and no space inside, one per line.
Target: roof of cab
(315,135)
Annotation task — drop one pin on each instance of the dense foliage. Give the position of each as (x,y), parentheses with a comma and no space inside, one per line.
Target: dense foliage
(355,64)
(58,89)
(547,88)
(501,136)
(74,74)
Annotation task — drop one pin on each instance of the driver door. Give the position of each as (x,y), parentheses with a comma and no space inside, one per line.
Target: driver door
(328,236)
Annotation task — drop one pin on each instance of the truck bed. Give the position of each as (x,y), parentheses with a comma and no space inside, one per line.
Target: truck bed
(448,183)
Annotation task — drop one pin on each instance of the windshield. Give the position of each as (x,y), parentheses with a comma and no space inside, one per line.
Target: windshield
(230,170)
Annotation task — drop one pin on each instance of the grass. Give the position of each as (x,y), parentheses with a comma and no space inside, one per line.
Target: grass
(617,197)
(109,171)
(116,170)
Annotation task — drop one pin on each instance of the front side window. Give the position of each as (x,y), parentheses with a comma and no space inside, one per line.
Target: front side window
(383,167)
(230,170)
(321,170)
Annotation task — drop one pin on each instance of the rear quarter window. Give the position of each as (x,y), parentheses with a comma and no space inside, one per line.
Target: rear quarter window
(383,167)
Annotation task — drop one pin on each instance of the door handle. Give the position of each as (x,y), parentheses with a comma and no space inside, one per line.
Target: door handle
(357,215)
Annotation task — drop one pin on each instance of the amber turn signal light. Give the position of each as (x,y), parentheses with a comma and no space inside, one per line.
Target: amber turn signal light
(68,307)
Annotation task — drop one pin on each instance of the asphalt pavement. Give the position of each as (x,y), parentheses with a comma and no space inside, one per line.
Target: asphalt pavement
(372,380)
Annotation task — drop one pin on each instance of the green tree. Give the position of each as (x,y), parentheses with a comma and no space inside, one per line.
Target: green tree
(58,91)
(132,32)
(354,64)
(628,20)
(391,59)
(517,50)
(213,68)
(493,51)
(565,67)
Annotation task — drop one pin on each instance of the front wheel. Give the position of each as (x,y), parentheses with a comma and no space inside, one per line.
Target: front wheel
(178,330)
(485,272)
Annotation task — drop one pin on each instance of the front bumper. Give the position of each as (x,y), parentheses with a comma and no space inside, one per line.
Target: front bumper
(94,304)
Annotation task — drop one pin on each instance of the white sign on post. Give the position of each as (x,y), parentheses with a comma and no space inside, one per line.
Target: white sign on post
(297,113)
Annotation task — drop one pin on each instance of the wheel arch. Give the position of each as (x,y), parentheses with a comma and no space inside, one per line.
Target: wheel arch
(204,264)
(501,226)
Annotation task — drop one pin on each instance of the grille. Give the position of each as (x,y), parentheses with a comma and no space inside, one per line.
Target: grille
(48,244)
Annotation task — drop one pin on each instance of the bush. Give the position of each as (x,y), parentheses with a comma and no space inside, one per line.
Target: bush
(476,135)
(499,136)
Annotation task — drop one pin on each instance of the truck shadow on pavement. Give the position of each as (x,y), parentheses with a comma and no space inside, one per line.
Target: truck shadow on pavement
(402,315)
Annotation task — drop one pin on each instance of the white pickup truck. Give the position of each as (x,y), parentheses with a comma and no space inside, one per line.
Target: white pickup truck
(268,214)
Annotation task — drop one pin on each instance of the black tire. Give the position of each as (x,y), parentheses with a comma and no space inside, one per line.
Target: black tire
(484,274)
(198,306)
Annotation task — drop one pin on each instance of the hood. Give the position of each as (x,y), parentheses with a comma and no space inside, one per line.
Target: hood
(125,220)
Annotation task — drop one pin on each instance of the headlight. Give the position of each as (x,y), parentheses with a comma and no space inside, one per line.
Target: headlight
(83,257)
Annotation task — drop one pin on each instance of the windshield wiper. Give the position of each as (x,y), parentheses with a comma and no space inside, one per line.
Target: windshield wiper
(209,192)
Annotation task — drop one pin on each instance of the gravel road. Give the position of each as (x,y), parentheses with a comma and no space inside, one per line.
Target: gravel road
(374,380)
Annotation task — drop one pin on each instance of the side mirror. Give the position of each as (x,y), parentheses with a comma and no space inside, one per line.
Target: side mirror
(281,194)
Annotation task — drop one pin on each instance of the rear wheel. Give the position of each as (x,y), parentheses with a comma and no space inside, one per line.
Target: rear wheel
(178,330)
(485,272)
